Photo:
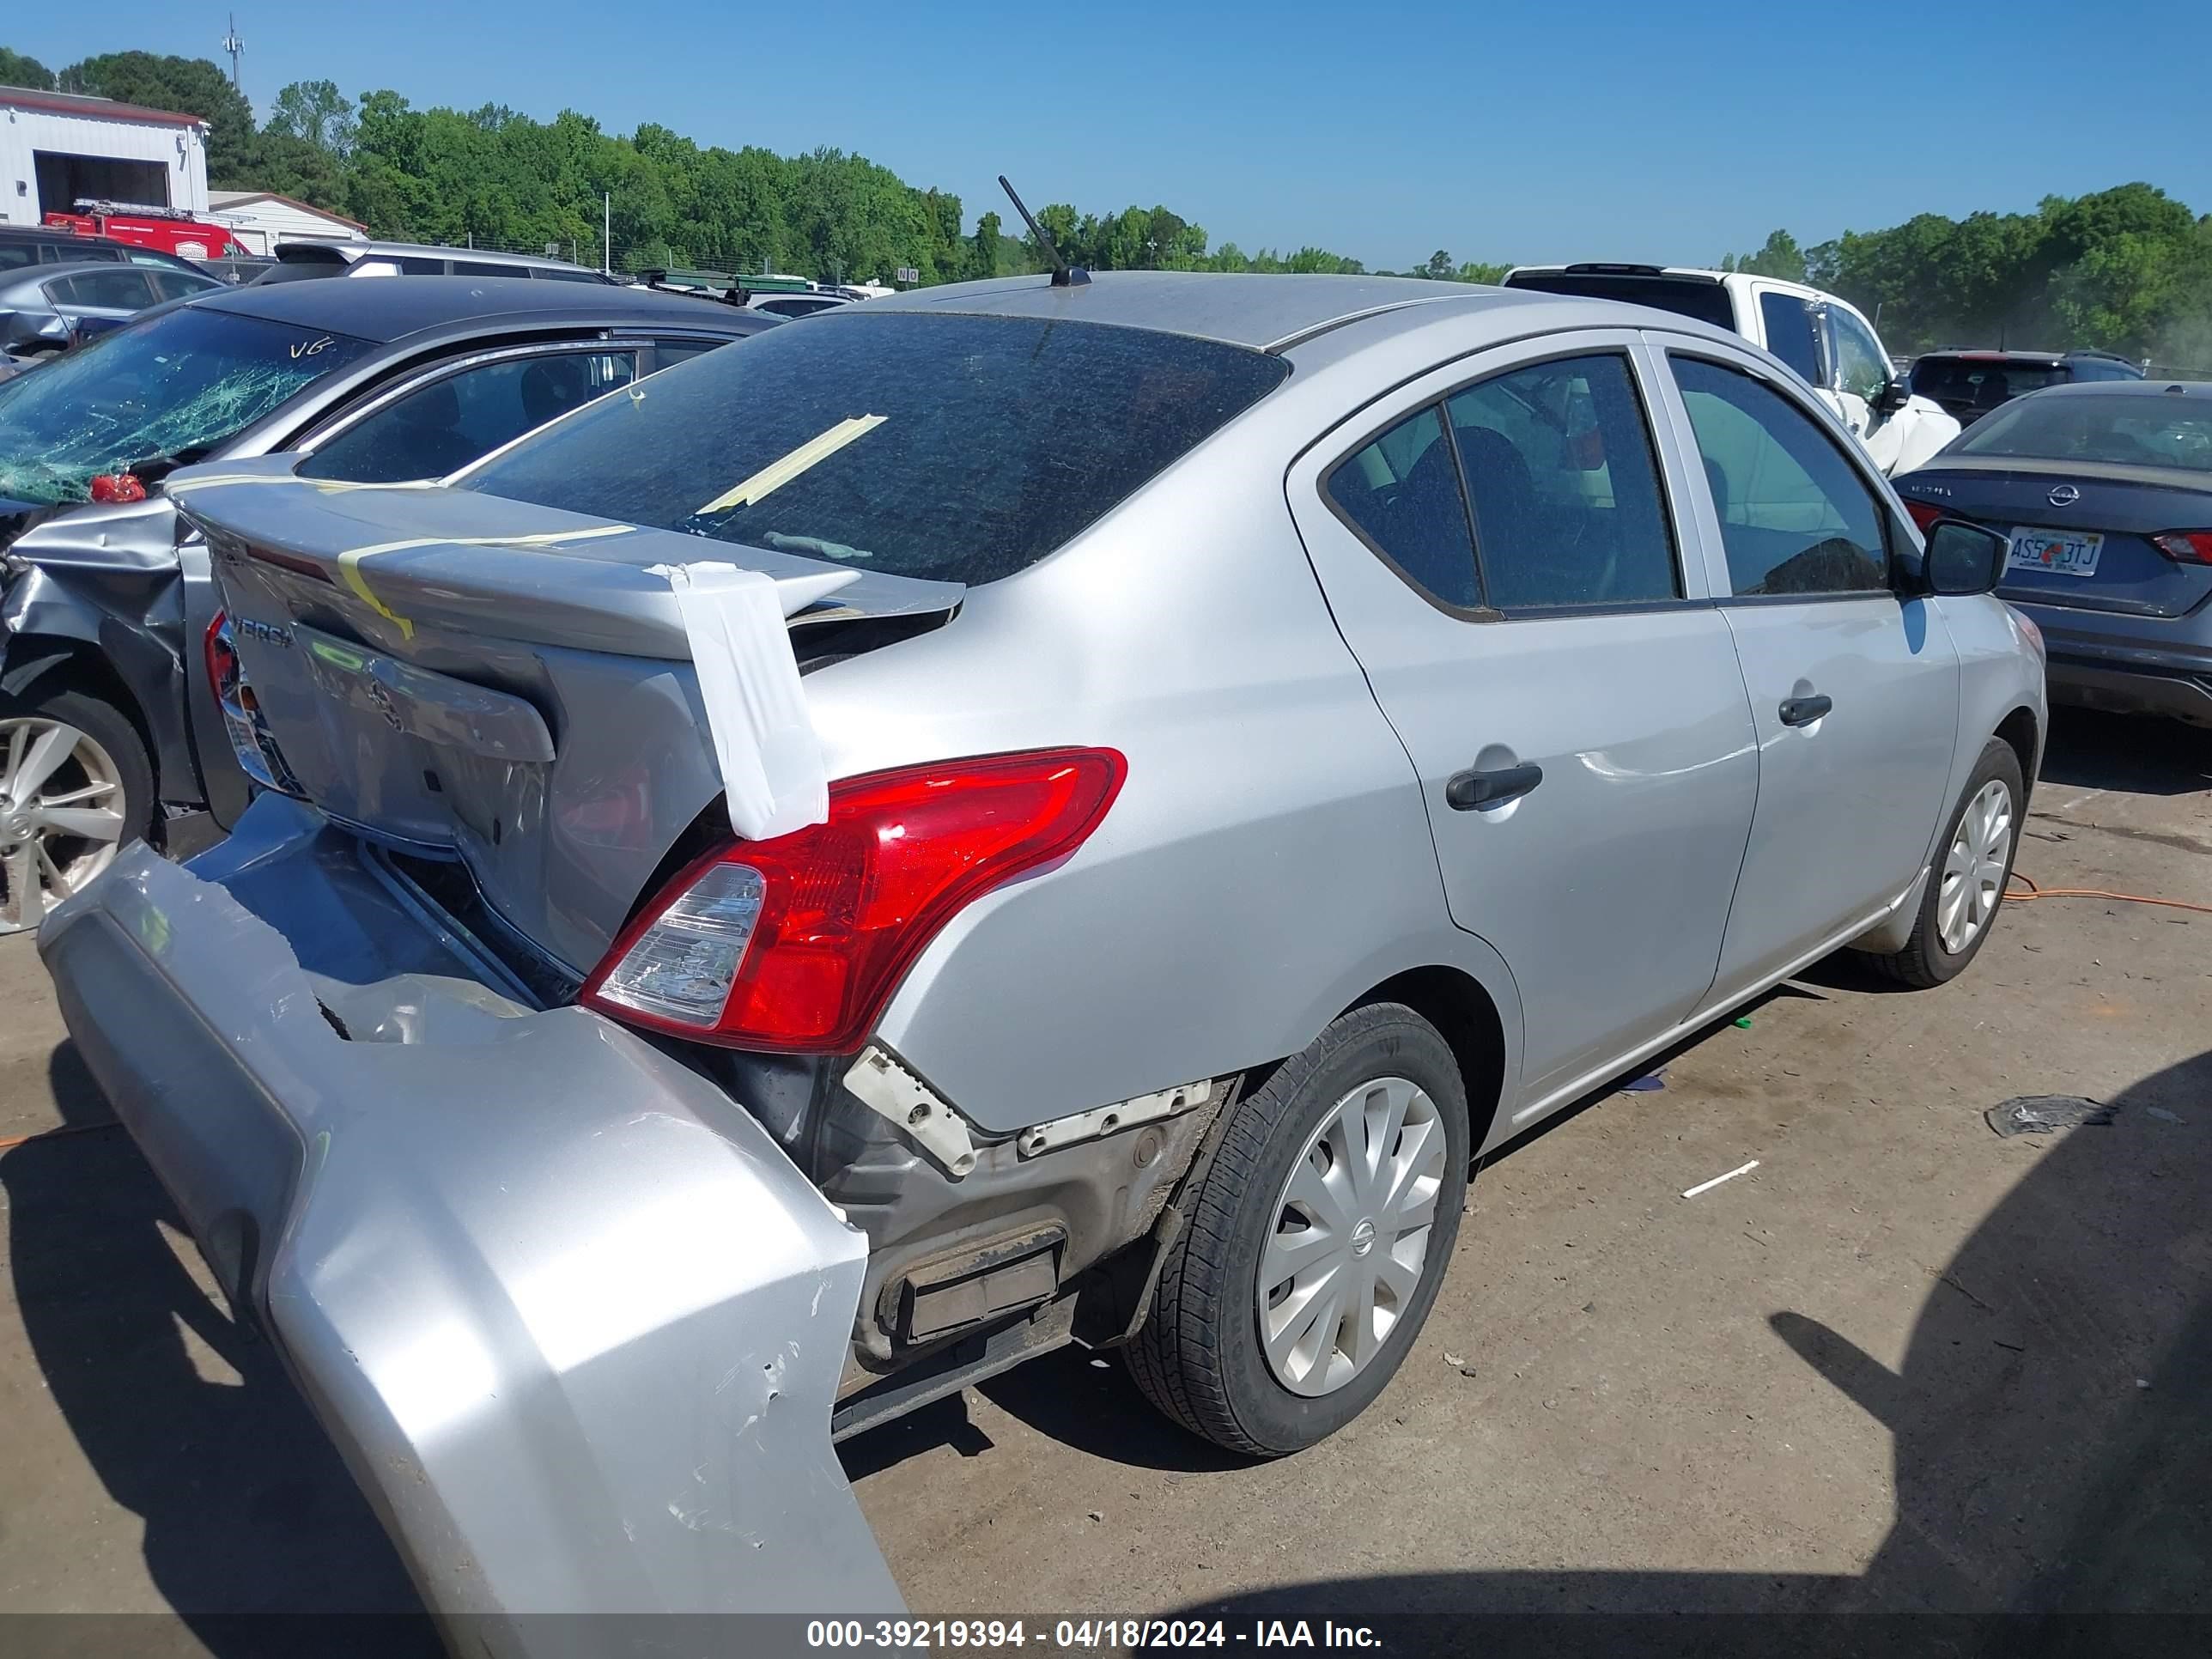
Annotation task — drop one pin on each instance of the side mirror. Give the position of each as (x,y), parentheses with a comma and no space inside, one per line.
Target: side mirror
(1964,558)
(1892,396)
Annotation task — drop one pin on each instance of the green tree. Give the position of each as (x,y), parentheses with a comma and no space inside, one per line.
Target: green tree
(983,250)
(1779,258)
(17,70)
(1440,268)
(317,113)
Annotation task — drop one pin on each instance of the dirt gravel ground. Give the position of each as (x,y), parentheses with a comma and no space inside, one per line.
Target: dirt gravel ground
(1904,1365)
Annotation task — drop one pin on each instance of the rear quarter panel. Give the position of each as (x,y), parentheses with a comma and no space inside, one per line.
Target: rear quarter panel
(1268,859)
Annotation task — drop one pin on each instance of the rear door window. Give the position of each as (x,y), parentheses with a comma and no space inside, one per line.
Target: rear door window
(1402,493)
(177,285)
(669,353)
(126,288)
(1795,517)
(443,425)
(1559,468)
(1788,324)
(480,268)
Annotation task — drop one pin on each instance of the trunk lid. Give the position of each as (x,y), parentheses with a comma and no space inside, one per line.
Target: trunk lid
(2123,505)
(471,677)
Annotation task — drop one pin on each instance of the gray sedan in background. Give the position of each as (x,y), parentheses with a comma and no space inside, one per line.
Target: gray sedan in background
(1253,745)
(52,308)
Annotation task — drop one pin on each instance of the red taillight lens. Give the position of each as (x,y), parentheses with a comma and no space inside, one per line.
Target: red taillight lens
(116,487)
(221,660)
(1924,514)
(2185,546)
(795,944)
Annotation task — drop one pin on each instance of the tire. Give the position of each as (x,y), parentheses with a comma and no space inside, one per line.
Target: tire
(1928,959)
(109,752)
(1199,1356)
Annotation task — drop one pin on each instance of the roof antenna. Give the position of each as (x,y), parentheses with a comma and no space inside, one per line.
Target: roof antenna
(1063,274)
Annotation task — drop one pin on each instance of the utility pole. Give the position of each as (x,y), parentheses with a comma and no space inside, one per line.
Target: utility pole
(607,233)
(234,46)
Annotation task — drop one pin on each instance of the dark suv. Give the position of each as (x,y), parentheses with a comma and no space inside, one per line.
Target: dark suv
(1969,383)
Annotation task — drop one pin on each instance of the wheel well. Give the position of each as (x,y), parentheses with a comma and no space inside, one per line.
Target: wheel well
(2018,729)
(36,660)
(1456,1005)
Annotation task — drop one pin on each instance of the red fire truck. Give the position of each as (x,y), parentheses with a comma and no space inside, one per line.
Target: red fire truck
(172,230)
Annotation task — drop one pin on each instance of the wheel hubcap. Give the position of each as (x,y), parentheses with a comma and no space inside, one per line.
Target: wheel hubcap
(1974,868)
(1353,1224)
(61,815)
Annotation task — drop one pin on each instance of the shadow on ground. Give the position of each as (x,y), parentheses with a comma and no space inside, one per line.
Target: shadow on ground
(2036,1475)
(2052,1425)
(189,1423)
(2089,751)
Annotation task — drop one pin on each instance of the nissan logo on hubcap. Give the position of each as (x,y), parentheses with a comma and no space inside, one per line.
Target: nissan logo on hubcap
(1363,1238)
(2064,496)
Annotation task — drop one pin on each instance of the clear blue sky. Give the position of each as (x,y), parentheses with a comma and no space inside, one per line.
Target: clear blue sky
(1382,129)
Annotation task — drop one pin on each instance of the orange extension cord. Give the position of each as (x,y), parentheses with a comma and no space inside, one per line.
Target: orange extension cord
(2035,892)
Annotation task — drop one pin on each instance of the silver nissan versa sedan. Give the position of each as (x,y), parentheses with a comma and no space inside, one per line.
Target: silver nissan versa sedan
(1025,812)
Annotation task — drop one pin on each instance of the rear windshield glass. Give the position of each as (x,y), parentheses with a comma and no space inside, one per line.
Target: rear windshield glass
(2122,430)
(175,386)
(954,449)
(1708,302)
(1981,383)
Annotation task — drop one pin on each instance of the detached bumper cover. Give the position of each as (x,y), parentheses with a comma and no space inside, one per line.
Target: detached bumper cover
(575,1321)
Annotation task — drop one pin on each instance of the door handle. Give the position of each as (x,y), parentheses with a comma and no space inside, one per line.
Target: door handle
(1803,711)
(1468,790)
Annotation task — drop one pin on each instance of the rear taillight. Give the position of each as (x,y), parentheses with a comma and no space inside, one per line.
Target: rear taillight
(2185,546)
(221,657)
(795,944)
(250,740)
(1924,514)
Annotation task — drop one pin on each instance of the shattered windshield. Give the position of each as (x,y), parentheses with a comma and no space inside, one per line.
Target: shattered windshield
(958,448)
(175,386)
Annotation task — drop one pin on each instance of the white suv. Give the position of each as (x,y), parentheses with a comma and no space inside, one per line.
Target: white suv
(1824,338)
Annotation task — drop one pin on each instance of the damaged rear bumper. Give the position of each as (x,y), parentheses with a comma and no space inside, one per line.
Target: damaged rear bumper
(573,1318)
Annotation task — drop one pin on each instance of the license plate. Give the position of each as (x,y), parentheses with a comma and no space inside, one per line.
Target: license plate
(2055,552)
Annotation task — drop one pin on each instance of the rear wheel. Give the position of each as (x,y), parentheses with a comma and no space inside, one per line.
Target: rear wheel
(1971,871)
(75,785)
(1316,1239)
